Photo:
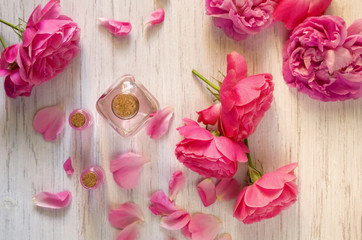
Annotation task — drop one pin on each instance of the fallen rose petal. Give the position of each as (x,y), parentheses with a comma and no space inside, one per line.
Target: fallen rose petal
(127,168)
(176,183)
(161,204)
(130,232)
(156,17)
(51,200)
(227,189)
(117,28)
(185,231)
(206,189)
(125,215)
(204,226)
(68,166)
(160,123)
(225,236)
(50,122)
(175,221)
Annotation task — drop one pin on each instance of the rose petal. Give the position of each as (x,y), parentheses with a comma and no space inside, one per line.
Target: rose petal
(50,200)
(68,166)
(225,236)
(204,226)
(130,232)
(185,231)
(160,123)
(176,220)
(127,168)
(156,17)
(161,204)
(176,183)
(117,28)
(227,189)
(125,215)
(237,62)
(206,189)
(355,28)
(210,115)
(282,12)
(50,122)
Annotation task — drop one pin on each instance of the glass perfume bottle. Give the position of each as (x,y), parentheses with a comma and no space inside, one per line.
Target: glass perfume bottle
(127,105)
(92,177)
(80,119)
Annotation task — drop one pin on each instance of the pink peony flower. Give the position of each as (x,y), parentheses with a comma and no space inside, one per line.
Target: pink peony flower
(267,196)
(323,59)
(301,10)
(209,155)
(240,19)
(50,42)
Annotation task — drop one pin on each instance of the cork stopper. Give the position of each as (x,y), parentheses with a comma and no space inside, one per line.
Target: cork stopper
(125,106)
(90,179)
(77,120)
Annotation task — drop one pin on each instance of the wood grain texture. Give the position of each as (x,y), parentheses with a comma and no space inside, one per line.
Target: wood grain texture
(325,138)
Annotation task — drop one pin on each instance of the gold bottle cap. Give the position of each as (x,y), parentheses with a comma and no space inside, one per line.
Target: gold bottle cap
(125,106)
(90,179)
(77,120)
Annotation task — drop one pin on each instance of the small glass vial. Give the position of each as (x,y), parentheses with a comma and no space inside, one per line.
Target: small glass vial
(92,177)
(80,119)
(127,105)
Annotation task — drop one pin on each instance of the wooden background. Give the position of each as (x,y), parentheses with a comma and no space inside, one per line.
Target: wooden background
(325,138)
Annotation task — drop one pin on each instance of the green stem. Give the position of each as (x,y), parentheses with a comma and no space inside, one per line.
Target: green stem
(250,163)
(12,26)
(2,42)
(205,80)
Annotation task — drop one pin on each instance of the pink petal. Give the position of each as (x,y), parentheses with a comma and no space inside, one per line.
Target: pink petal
(227,189)
(225,236)
(210,115)
(204,227)
(288,168)
(130,232)
(50,200)
(127,168)
(50,122)
(68,166)
(160,123)
(355,28)
(185,231)
(156,17)
(206,189)
(117,28)
(176,220)
(161,204)
(125,215)
(176,183)
(237,62)
(285,7)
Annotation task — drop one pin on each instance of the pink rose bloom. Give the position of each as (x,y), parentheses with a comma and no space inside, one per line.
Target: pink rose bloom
(241,18)
(322,58)
(267,196)
(209,155)
(244,100)
(50,42)
(301,9)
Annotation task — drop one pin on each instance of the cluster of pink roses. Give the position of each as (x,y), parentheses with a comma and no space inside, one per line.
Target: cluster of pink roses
(50,42)
(243,102)
(322,58)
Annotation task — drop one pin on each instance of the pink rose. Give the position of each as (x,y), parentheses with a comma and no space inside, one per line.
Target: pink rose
(50,42)
(301,9)
(244,100)
(239,19)
(267,196)
(323,59)
(209,155)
